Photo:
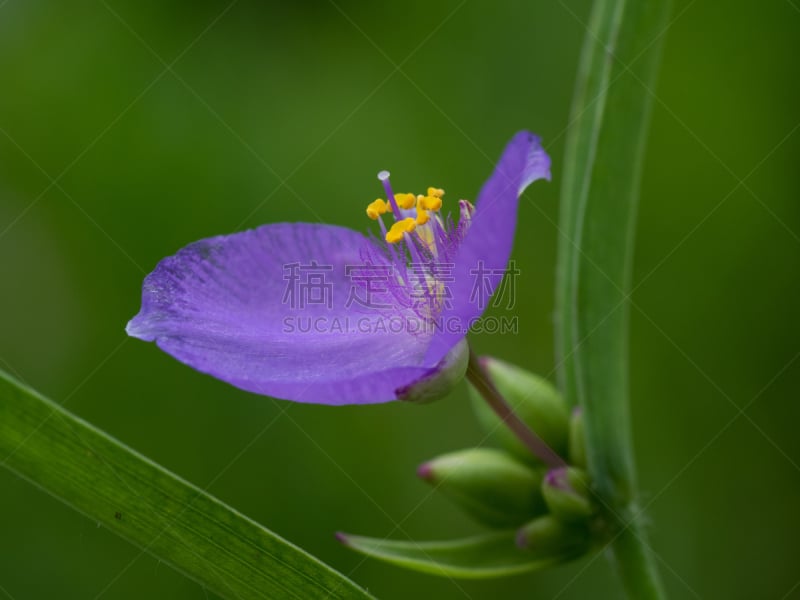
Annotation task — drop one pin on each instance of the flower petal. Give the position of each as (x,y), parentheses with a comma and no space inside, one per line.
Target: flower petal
(483,255)
(223,305)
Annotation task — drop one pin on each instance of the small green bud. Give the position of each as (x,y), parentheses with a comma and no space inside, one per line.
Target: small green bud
(577,438)
(490,485)
(534,400)
(549,537)
(441,380)
(566,492)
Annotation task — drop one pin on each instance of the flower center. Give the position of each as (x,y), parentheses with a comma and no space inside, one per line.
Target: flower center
(422,266)
(410,212)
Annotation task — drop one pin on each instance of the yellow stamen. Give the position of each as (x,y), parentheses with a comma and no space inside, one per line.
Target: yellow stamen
(395,234)
(424,204)
(377,208)
(404,201)
(422,214)
(436,192)
(430,202)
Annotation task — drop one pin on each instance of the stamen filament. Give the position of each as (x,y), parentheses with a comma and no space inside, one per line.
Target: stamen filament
(383,226)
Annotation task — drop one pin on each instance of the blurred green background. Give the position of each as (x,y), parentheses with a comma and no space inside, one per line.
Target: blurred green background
(129,129)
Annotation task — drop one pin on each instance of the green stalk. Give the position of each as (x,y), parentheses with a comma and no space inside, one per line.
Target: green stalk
(602,173)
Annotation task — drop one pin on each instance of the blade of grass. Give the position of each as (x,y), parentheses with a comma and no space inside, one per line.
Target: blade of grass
(602,173)
(152,508)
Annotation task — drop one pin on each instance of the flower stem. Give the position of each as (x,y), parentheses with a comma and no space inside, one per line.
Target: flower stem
(602,171)
(480,380)
(632,558)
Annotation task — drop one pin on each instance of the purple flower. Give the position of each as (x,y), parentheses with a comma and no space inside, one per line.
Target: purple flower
(323,314)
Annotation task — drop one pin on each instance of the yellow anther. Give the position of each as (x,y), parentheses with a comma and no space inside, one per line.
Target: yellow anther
(429,202)
(436,192)
(377,208)
(404,201)
(422,214)
(395,234)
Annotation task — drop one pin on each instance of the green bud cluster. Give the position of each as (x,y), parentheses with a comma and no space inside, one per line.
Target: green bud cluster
(508,487)
(535,401)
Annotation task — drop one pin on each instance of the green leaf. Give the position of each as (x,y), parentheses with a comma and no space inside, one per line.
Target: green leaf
(152,508)
(479,557)
(602,172)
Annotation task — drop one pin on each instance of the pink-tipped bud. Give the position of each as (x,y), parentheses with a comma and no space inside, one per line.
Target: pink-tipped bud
(494,488)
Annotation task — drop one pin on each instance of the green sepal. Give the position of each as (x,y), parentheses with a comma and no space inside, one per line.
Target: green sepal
(577,439)
(566,492)
(441,380)
(492,486)
(534,400)
(479,557)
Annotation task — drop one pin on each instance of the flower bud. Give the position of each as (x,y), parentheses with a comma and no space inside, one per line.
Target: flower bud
(441,380)
(577,439)
(549,537)
(487,483)
(566,492)
(534,400)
